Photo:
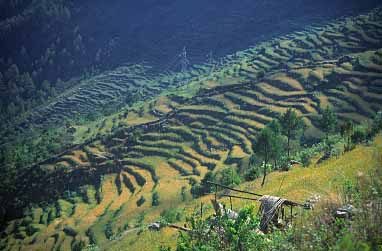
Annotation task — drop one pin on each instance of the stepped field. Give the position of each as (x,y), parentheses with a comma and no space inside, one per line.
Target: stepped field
(204,121)
(298,184)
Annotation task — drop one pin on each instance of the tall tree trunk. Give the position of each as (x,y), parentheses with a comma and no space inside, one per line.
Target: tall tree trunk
(275,164)
(265,172)
(288,147)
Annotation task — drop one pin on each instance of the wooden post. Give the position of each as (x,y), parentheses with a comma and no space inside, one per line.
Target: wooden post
(201,210)
(216,190)
(230,201)
(283,213)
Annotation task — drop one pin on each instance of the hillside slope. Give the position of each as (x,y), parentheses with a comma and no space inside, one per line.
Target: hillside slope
(325,180)
(43,44)
(93,192)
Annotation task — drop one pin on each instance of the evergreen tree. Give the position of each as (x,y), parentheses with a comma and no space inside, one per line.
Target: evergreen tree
(11,109)
(278,147)
(228,177)
(206,188)
(155,199)
(376,125)
(27,82)
(264,147)
(328,121)
(346,130)
(12,73)
(291,126)
(45,86)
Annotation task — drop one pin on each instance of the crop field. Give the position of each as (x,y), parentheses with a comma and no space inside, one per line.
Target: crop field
(201,120)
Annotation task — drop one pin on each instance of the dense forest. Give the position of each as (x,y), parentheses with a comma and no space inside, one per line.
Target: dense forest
(46,43)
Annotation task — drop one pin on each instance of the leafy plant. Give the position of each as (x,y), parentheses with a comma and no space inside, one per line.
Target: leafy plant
(172,215)
(328,121)
(141,201)
(228,177)
(305,158)
(155,199)
(291,127)
(223,233)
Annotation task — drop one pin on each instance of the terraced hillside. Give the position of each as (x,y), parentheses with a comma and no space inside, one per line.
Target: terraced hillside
(125,85)
(101,189)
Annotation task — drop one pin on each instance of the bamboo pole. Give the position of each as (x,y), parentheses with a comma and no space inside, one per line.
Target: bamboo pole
(233,189)
(179,227)
(238,197)
(287,202)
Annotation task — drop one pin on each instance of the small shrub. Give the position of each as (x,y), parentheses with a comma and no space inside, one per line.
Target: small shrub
(108,230)
(228,177)
(155,199)
(164,248)
(305,159)
(172,215)
(141,201)
(91,235)
(70,231)
(196,190)
(233,235)
(252,173)
(359,135)
(183,194)
(91,247)
(140,219)
(261,74)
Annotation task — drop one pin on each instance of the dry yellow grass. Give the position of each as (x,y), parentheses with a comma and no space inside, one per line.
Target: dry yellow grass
(227,103)
(77,156)
(135,119)
(237,152)
(325,179)
(291,82)
(272,90)
(108,194)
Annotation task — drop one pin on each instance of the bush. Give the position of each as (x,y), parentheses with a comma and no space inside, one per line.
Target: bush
(140,219)
(359,135)
(91,247)
(261,74)
(252,173)
(70,231)
(232,235)
(172,215)
(228,177)
(91,235)
(183,194)
(305,158)
(108,230)
(155,199)
(196,190)
(376,125)
(141,201)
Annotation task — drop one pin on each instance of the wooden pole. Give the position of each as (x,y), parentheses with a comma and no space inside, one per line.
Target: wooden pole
(287,202)
(230,201)
(179,227)
(233,189)
(238,197)
(201,210)
(216,191)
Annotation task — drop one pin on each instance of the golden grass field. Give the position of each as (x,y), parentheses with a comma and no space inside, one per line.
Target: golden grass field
(298,184)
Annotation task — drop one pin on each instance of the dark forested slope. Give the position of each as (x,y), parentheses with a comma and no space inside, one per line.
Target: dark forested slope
(43,42)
